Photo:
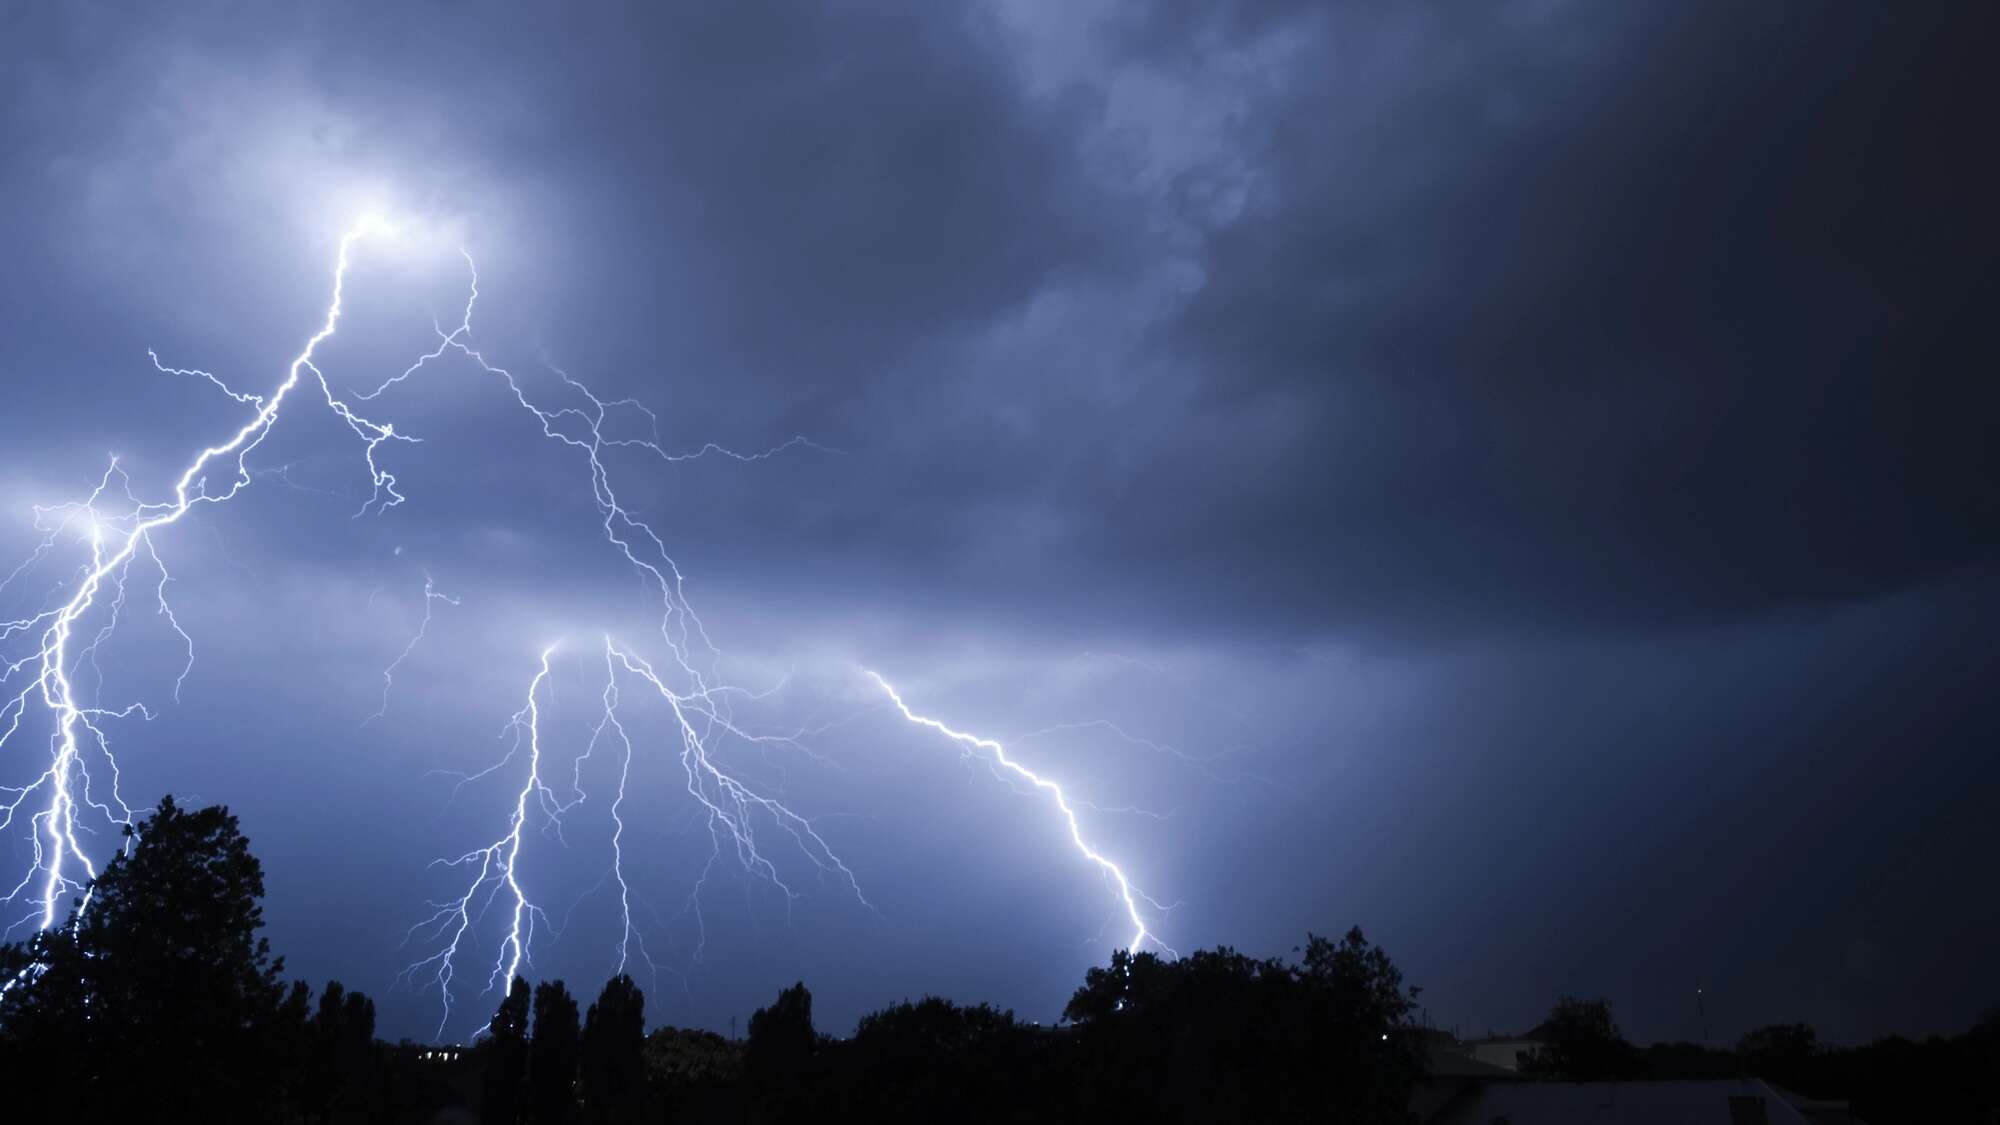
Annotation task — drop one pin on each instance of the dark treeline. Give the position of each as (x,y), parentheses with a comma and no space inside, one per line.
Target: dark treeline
(1889,1081)
(159,1002)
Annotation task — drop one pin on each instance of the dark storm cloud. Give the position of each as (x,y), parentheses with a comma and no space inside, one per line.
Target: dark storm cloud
(1631,315)
(1256,347)
(826,190)
(797,221)
(822,188)
(1516,315)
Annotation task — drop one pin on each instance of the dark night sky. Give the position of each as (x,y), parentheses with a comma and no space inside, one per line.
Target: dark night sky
(1543,451)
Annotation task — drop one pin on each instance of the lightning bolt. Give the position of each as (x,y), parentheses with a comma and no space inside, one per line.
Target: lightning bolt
(47,669)
(496,866)
(1128,895)
(431,598)
(609,720)
(738,816)
(1203,764)
(44,653)
(701,707)
(734,808)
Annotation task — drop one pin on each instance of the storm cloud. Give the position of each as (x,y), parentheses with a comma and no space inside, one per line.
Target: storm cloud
(1537,455)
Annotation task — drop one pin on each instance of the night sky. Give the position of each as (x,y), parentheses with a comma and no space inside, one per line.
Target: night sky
(1522,475)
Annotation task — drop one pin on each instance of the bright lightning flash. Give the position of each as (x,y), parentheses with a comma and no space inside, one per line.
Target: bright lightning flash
(495,866)
(52,671)
(736,813)
(82,773)
(48,670)
(1129,895)
(701,707)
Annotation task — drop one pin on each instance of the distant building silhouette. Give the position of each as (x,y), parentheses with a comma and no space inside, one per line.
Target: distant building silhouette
(1503,1051)
(1743,1101)
(1462,1086)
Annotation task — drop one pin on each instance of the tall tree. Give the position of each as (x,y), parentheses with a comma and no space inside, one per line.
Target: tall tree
(1786,1053)
(613,1065)
(1355,1001)
(1221,1036)
(552,1055)
(343,1070)
(695,1075)
(289,1047)
(936,1061)
(782,1036)
(47,1053)
(354,1057)
(782,1056)
(169,946)
(1580,1043)
(325,1080)
(506,1050)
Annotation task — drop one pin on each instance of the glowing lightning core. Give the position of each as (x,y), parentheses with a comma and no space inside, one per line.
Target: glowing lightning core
(67,781)
(742,819)
(497,866)
(1128,894)
(701,707)
(118,538)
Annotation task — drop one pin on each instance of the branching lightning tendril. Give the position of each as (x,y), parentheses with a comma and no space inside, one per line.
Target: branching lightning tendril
(47,670)
(44,656)
(431,598)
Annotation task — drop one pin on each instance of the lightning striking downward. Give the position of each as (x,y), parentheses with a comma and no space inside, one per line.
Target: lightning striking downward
(82,771)
(117,539)
(49,662)
(495,866)
(702,708)
(736,813)
(1128,894)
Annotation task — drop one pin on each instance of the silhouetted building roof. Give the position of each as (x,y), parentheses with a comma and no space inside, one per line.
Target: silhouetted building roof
(1502,1050)
(1449,1072)
(1448,1063)
(1820,1111)
(1722,1102)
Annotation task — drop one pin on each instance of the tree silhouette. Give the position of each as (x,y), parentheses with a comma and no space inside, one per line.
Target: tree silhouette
(552,1056)
(1580,1043)
(47,1051)
(936,1061)
(326,1074)
(694,1075)
(160,1002)
(357,1030)
(169,954)
(1221,1036)
(780,1056)
(1355,1001)
(613,1067)
(506,1051)
(291,1043)
(1786,1053)
(343,1035)
(782,1036)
